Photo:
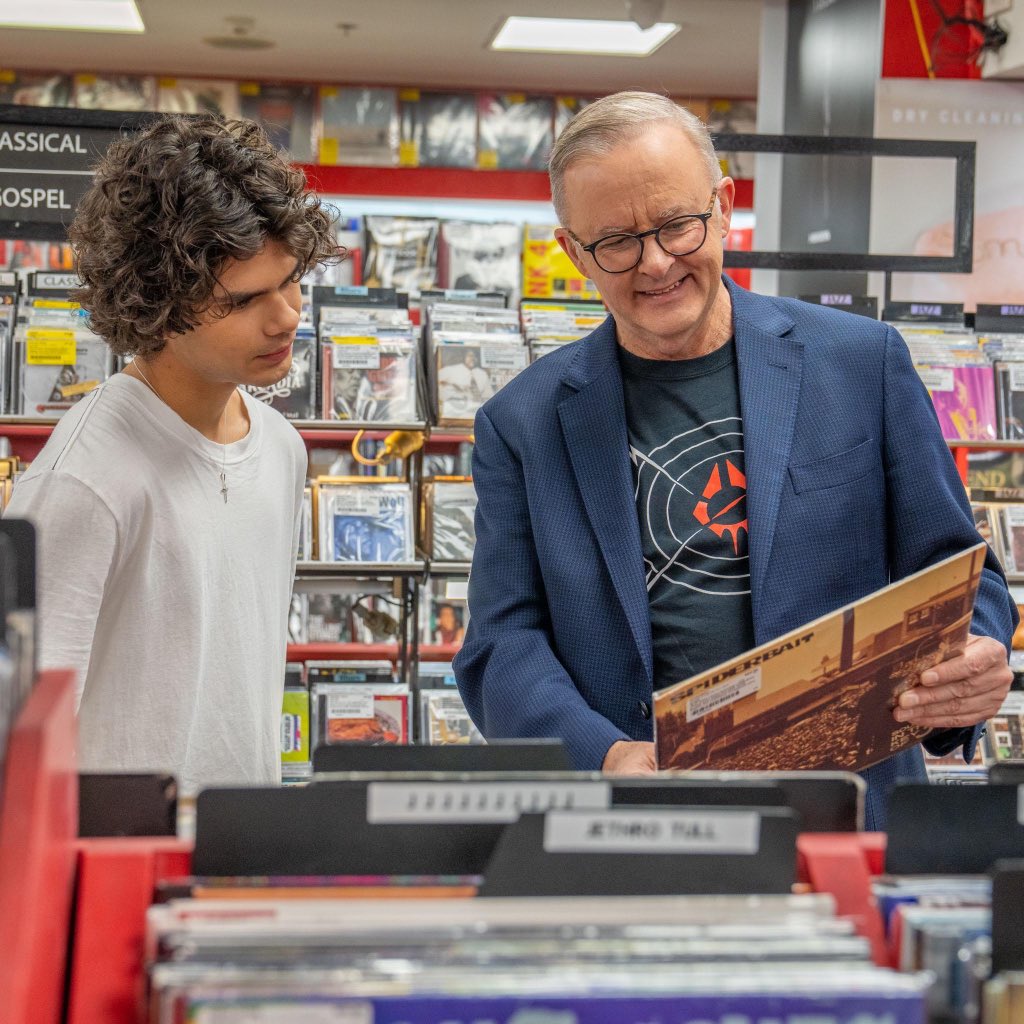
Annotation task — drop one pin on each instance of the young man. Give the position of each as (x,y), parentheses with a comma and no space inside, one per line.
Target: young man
(167,501)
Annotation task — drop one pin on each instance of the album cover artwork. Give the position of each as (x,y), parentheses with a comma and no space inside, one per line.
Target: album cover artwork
(286,113)
(401,253)
(198,96)
(358,126)
(480,257)
(445,720)
(365,522)
(449,507)
(516,131)
(438,129)
(51,390)
(467,375)
(1010,395)
(1012,535)
(115,92)
(295,726)
(294,396)
(372,713)
(35,89)
(385,393)
(964,400)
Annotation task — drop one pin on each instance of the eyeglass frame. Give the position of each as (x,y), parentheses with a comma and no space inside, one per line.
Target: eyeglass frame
(640,236)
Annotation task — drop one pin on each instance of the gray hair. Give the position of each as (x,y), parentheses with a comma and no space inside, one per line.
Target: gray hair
(606,123)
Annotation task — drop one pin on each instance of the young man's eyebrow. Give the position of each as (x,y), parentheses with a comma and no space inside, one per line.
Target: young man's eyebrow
(238,297)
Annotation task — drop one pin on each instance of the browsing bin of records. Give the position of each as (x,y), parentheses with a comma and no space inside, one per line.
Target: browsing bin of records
(364,519)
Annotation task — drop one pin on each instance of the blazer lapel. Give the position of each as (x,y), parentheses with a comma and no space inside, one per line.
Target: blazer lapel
(770,366)
(593,423)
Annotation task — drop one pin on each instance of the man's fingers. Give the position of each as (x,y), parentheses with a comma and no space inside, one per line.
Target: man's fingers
(982,653)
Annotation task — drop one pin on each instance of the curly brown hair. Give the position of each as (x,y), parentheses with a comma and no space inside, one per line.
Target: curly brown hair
(168,207)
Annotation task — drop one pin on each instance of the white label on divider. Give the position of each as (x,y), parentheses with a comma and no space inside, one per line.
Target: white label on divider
(665,831)
(1016,377)
(936,378)
(477,803)
(355,704)
(285,1012)
(725,693)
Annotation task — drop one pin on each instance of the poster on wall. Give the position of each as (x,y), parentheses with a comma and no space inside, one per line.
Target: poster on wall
(912,200)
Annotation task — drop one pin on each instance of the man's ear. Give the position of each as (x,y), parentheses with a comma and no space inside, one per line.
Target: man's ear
(571,248)
(726,201)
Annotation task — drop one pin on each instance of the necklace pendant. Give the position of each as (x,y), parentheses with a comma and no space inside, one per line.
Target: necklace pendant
(224,487)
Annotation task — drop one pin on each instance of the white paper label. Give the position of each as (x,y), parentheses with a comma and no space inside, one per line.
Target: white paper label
(395,803)
(456,590)
(355,702)
(285,1011)
(936,378)
(361,353)
(1016,377)
(664,831)
(725,693)
(502,357)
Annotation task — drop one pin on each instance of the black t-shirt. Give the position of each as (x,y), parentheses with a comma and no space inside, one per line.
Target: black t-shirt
(686,444)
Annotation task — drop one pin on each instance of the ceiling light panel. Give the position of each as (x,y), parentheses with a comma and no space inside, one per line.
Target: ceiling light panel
(581,36)
(72,15)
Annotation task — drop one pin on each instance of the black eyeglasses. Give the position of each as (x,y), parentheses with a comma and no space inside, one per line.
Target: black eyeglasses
(615,254)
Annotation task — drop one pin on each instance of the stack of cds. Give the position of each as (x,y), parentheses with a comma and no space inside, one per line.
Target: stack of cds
(369,359)
(443,718)
(364,519)
(550,325)
(716,960)
(55,359)
(295,396)
(473,352)
(8,310)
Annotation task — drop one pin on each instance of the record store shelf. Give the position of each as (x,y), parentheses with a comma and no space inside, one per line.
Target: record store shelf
(367,652)
(359,570)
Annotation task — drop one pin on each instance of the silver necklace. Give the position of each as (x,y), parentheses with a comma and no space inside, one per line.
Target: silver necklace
(224,452)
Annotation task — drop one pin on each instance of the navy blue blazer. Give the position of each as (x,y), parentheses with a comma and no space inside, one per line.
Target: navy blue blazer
(850,485)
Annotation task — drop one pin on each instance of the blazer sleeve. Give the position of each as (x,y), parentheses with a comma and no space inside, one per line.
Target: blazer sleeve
(508,673)
(929,513)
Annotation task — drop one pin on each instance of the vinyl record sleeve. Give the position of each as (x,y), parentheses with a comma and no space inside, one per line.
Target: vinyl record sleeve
(964,400)
(294,396)
(358,126)
(516,131)
(822,696)
(35,89)
(1010,390)
(286,113)
(115,92)
(438,129)
(365,522)
(480,257)
(385,393)
(445,720)
(469,374)
(374,713)
(198,96)
(401,252)
(52,390)
(449,510)
(1012,535)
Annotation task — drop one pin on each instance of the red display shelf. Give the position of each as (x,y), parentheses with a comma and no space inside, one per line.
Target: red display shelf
(452,183)
(38,826)
(962,451)
(369,652)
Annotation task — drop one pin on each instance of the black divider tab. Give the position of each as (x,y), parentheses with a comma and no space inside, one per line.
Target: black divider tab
(127,805)
(525,756)
(953,830)
(633,851)
(1007,916)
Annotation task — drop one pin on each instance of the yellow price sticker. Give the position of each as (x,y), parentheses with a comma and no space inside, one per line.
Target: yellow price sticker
(329,92)
(167,83)
(408,154)
(353,339)
(55,304)
(7,77)
(409,95)
(487,159)
(49,347)
(330,151)
(85,79)
(516,97)
(248,88)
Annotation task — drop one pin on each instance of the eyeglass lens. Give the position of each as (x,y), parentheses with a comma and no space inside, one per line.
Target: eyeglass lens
(677,237)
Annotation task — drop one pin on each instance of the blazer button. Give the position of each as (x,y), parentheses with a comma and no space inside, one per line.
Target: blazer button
(645,709)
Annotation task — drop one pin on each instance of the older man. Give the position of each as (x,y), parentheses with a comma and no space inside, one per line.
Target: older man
(706,471)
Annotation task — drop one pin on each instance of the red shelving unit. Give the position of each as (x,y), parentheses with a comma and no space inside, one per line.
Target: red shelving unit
(372,652)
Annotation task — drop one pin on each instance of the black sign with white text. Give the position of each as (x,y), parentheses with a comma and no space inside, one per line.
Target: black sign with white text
(47,156)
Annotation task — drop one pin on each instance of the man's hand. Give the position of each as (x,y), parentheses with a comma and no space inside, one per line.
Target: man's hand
(960,692)
(627,758)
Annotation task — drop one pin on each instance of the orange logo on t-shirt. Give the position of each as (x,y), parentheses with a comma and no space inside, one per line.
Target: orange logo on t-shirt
(723,503)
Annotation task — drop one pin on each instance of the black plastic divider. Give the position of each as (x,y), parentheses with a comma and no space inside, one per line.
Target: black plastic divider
(127,805)
(438,824)
(496,756)
(952,830)
(1008,916)
(524,865)
(1010,773)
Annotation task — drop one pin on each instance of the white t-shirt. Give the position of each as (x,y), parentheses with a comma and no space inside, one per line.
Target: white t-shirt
(170,604)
